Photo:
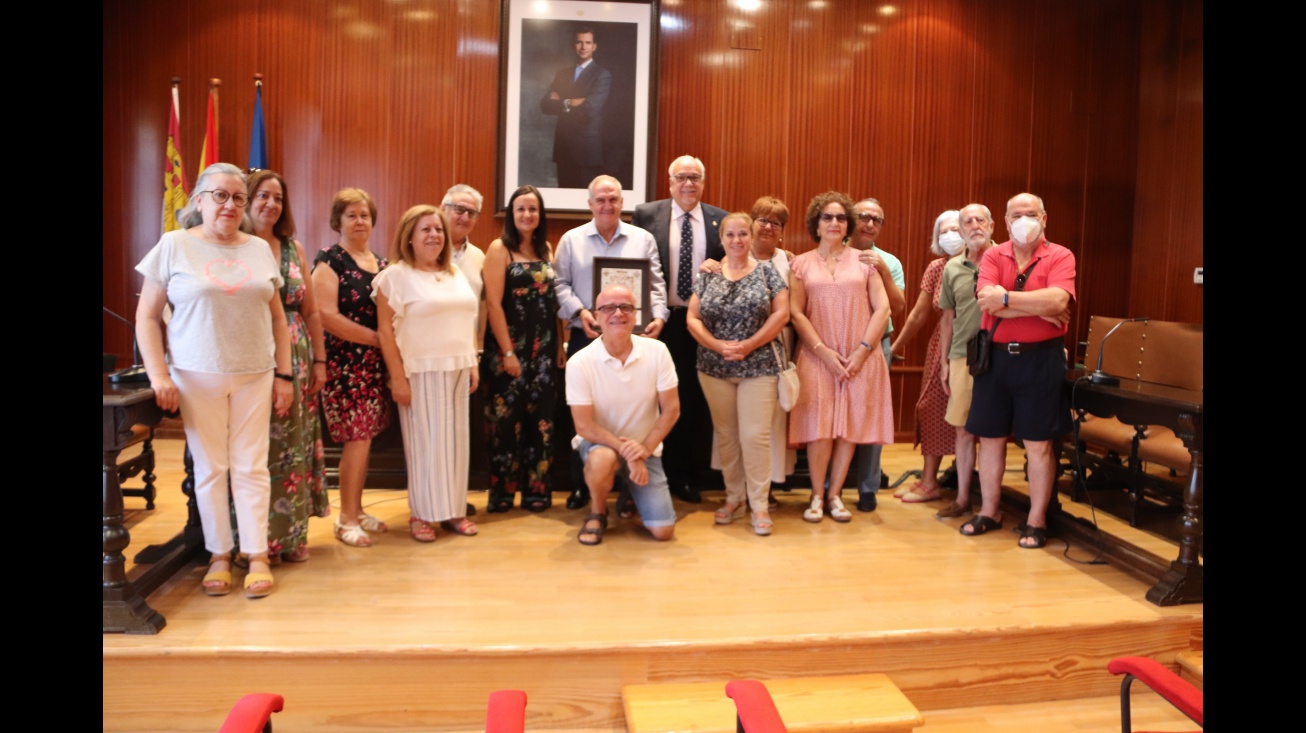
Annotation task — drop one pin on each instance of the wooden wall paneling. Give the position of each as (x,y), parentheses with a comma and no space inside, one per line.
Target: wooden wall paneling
(473,108)
(1186,300)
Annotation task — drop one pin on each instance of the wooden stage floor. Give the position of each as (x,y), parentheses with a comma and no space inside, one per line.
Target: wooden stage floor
(407,636)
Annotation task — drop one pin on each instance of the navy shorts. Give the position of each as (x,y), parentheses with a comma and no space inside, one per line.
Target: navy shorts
(1022,394)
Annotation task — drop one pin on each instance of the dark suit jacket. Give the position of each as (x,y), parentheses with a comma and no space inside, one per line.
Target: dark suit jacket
(578,138)
(655,217)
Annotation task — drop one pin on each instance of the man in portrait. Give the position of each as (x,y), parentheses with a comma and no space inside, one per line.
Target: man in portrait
(578,97)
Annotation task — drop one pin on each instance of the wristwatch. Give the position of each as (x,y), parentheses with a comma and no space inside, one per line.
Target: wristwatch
(1004,299)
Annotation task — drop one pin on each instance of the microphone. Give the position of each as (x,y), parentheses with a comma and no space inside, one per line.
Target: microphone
(1099,376)
(135,372)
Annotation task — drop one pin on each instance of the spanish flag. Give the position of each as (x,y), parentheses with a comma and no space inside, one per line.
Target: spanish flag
(174,175)
(209,153)
(258,139)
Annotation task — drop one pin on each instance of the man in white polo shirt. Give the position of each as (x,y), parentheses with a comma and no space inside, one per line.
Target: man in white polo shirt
(623,394)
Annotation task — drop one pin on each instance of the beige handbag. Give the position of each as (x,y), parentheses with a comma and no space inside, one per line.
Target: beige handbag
(787,381)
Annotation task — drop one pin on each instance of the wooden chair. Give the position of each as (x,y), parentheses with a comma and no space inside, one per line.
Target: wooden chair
(1176,691)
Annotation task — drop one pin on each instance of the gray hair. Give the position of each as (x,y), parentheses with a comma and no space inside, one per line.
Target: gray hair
(458,188)
(686,159)
(190,215)
(600,179)
(869,200)
(938,224)
(987,214)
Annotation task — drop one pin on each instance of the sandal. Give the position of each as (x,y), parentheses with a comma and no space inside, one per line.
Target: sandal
(594,532)
(461,525)
(904,490)
(814,513)
(258,584)
(837,511)
(352,534)
(919,495)
(421,531)
(537,503)
(217,582)
(371,523)
(1040,535)
(726,514)
(499,502)
(952,510)
(762,524)
(979,524)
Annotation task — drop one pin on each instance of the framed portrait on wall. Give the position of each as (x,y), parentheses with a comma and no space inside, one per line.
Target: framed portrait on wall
(632,273)
(578,97)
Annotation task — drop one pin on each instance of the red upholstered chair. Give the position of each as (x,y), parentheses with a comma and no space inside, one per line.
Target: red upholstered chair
(506,712)
(253,714)
(1175,690)
(754,708)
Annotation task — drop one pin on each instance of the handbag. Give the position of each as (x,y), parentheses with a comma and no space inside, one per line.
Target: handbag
(787,381)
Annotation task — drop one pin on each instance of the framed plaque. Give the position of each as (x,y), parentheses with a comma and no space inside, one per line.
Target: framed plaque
(632,273)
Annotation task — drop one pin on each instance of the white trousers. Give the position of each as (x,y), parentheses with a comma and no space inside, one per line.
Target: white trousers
(227,418)
(742,412)
(436,445)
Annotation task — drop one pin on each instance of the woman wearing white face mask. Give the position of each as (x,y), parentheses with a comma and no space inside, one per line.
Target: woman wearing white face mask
(935,436)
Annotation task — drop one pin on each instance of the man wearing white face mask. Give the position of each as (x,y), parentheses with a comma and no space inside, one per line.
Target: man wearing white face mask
(960,319)
(1028,283)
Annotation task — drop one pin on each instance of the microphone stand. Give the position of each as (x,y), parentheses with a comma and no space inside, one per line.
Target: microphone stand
(1099,376)
(136,372)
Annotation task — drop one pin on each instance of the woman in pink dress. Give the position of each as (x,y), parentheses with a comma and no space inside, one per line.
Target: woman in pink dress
(839,310)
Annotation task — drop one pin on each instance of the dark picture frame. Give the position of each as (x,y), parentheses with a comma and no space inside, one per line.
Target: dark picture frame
(634,273)
(618,137)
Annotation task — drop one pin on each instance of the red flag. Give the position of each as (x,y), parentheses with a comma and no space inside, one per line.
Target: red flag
(175,189)
(209,153)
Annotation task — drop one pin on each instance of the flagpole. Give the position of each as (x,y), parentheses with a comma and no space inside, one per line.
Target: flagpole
(258,144)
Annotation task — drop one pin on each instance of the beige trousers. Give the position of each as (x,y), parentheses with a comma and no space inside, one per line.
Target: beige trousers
(742,411)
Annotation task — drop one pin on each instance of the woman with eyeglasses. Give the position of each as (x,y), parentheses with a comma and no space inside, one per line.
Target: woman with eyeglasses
(228,363)
(427,314)
(935,436)
(295,450)
(355,401)
(735,316)
(521,373)
(770,217)
(839,310)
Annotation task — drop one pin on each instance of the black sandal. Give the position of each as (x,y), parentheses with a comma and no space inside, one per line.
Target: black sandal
(1040,535)
(536,503)
(498,503)
(980,524)
(595,532)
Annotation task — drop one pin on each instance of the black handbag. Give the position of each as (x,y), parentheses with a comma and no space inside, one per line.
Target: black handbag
(979,349)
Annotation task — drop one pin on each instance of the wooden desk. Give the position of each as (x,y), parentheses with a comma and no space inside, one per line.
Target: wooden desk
(125,609)
(1143,403)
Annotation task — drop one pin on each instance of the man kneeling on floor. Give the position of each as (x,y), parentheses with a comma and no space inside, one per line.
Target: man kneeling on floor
(622,390)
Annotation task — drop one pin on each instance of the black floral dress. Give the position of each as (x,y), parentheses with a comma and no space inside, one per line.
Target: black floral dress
(519,411)
(355,400)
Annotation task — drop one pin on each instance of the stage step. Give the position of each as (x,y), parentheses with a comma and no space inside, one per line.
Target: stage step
(1190,667)
(858,702)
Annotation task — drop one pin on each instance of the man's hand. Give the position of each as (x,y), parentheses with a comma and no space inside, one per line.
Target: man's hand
(638,472)
(653,328)
(869,257)
(578,101)
(553,95)
(710,267)
(633,450)
(1059,319)
(588,324)
(990,298)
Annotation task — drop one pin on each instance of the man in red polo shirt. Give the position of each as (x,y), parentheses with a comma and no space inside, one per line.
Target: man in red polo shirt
(1028,283)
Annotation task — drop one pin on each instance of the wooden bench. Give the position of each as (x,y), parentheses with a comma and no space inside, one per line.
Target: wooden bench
(1116,454)
(862,702)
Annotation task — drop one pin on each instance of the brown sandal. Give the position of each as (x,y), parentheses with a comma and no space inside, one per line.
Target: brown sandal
(595,532)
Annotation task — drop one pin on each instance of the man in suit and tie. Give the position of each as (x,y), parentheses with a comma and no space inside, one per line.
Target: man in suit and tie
(687,232)
(577,97)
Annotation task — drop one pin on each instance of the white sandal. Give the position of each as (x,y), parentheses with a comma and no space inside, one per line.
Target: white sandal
(371,523)
(814,513)
(352,534)
(837,511)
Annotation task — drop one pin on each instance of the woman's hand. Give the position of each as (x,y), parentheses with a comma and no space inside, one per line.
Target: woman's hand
(166,395)
(282,396)
(317,380)
(945,376)
(734,350)
(562,358)
(857,360)
(511,364)
(401,390)
(476,380)
(834,361)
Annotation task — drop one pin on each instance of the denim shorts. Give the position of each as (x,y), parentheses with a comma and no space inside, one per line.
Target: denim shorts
(653,500)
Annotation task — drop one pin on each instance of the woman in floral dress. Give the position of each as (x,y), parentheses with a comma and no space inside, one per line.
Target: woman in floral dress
(520,372)
(355,400)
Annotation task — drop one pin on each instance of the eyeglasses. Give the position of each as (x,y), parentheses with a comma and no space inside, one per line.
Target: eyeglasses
(607,310)
(461,210)
(220,197)
(770,223)
(867,216)
(687,178)
(841,218)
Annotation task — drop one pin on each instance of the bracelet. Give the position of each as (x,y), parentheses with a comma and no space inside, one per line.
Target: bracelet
(817,346)
(286,377)
(319,361)
(868,346)
(513,354)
